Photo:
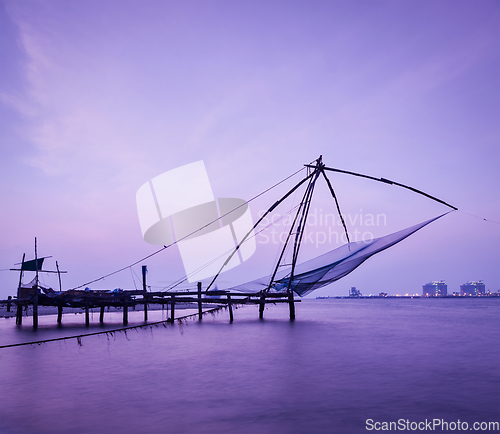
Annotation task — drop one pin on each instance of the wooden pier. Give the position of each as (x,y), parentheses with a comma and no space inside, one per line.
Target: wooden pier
(130,299)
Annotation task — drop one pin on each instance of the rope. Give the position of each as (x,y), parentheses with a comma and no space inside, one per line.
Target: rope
(184,279)
(122,329)
(188,235)
(472,215)
(133,279)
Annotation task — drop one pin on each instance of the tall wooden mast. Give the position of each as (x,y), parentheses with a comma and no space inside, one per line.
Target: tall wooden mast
(19,311)
(298,225)
(35,289)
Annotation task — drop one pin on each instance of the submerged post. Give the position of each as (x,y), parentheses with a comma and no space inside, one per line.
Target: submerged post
(59,314)
(262,304)
(200,313)
(145,296)
(172,308)
(292,305)
(19,313)
(125,313)
(101,315)
(230,305)
(35,307)
(87,315)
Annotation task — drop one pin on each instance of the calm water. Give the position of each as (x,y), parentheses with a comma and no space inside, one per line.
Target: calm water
(341,362)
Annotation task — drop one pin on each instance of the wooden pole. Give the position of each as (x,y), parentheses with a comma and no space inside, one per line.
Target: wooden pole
(292,305)
(145,296)
(200,313)
(19,311)
(230,305)
(101,315)
(59,275)
(59,314)
(125,313)
(262,304)
(172,308)
(35,287)
(87,315)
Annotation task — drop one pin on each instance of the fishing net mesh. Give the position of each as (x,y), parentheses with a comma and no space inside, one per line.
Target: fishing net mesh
(329,267)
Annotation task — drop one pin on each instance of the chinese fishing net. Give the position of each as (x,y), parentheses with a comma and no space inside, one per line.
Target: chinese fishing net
(329,267)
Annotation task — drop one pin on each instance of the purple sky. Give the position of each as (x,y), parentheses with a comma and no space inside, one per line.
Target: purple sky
(97,97)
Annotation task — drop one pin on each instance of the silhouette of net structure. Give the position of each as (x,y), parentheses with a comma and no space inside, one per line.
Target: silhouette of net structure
(329,267)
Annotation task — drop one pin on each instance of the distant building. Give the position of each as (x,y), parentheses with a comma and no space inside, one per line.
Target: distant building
(434,289)
(354,292)
(473,288)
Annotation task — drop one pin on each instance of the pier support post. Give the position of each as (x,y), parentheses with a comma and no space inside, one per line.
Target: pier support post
(200,313)
(101,315)
(261,307)
(145,296)
(19,314)
(9,302)
(125,313)
(172,309)
(59,314)
(87,315)
(230,305)
(292,305)
(35,307)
